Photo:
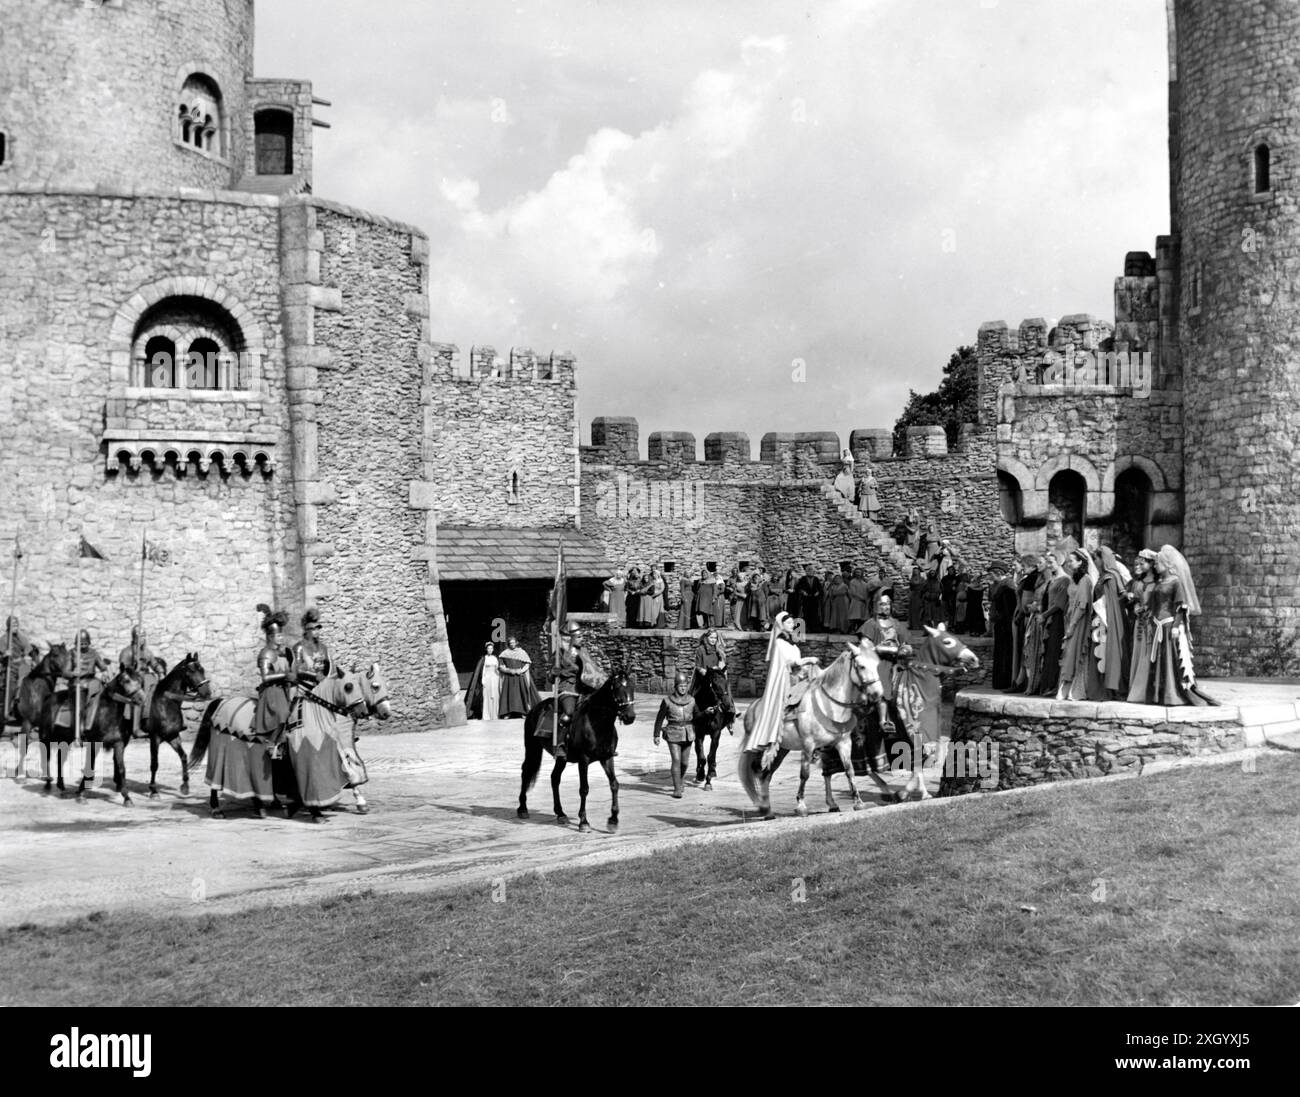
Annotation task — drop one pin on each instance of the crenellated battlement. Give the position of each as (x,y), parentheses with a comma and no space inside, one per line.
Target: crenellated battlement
(1082,331)
(485,364)
(616,440)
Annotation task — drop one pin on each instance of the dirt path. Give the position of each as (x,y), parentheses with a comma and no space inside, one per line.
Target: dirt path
(442,813)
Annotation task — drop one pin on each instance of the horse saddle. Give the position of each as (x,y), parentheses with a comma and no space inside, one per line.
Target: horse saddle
(234,717)
(92,689)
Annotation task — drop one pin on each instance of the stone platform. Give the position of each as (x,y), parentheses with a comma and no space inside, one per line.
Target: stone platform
(1013,740)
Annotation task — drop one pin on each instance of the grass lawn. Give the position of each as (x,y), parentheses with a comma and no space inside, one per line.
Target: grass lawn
(1176,889)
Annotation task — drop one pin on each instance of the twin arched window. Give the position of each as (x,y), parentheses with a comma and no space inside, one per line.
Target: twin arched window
(199,116)
(191,344)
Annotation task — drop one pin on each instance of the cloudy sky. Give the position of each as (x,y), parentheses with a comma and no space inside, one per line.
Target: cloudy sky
(707,201)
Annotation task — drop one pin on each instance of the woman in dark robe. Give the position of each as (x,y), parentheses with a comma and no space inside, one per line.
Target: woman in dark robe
(861,597)
(1002,608)
(776,595)
(838,602)
(1115,579)
(632,595)
(791,593)
(827,578)
(518,694)
(1138,599)
(932,600)
(809,591)
(686,609)
(1026,580)
(915,598)
(1055,601)
(756,600)
(651,603)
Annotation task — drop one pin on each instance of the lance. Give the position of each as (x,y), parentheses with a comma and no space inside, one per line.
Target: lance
(9,632)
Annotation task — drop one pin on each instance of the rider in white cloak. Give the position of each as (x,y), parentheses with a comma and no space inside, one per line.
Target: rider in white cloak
(786,681)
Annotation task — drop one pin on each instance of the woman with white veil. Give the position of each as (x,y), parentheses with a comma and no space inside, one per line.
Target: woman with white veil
(784,662)
(1173,603)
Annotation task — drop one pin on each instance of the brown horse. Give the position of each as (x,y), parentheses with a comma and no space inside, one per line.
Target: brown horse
(111,729)
(593,737)
(35,704)
(164,721)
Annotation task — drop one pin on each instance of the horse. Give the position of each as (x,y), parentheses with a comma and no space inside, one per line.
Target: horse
(593,737)
(713,712)
(374,692)
(164,721)
(111,729)
(241,757)
(825,716)
(35,696)
(914,711)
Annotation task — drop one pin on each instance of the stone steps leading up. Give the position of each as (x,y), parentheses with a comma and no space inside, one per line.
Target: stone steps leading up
(872,531)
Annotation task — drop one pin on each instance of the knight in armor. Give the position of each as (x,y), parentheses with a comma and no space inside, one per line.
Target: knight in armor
(137,657)
(884,635)
(311,656)
(675,722)
(576,676)
(85,666)
(276,681)
(17,658)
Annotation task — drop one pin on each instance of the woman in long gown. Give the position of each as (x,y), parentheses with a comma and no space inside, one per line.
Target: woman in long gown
(756,600)
(1173,603)
(632,595)
(686,610)
(1138,597)
(518,694)
(1114,581)
(868,499)
(860,599)
(1080,676)
(483,694)
(837,600)
(915,598)
(651,602)
(784,663)
(616,595)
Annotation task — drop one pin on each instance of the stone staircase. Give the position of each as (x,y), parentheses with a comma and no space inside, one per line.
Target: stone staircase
(871,531)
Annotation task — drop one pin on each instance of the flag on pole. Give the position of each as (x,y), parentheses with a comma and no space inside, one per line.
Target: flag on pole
(88,551)
(557,609)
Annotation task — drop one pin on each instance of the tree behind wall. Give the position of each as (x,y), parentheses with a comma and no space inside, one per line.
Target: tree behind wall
(954,402)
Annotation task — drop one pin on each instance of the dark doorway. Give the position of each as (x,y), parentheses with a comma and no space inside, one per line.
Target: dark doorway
(1011,499)
(1133,499)
(1066,496)
(273,138)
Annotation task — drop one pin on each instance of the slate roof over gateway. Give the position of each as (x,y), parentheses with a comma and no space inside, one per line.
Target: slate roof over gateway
(494,554)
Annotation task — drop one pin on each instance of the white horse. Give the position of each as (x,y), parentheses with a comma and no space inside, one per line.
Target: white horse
(827,714)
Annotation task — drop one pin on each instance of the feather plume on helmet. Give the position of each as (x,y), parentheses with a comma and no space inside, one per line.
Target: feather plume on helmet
(269,617)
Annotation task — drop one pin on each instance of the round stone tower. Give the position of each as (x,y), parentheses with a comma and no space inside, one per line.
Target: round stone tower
(124,93)
(1235,163)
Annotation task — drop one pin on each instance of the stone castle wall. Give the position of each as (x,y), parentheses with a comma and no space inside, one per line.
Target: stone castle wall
(371,560)
(502,421)
(92,90)
(729,507)
(76,268)
(1236,90)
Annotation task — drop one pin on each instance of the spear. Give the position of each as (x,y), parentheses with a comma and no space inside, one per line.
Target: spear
(9,630)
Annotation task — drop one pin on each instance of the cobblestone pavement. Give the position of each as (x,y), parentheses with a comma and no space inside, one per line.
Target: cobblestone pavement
(442,812)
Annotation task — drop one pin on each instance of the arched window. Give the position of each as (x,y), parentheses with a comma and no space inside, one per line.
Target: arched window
(205,336)
(159,363)
(201,364)
(273,141)
(1066,496)
(1011,499)
(1133,499)
(1263,169)
(199,117)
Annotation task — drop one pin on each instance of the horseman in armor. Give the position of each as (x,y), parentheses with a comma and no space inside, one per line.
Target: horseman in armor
(576,676)
(17,660)
(276,676)
(311,657)
(137,657)
(85,666)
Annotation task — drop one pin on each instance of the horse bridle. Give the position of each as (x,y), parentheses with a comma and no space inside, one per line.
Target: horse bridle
(854,705)
(187,690)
